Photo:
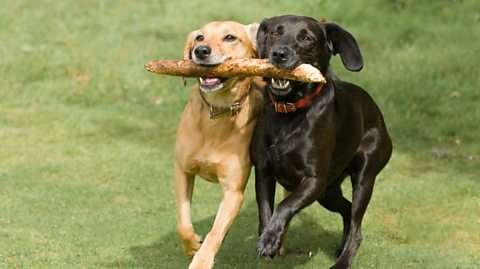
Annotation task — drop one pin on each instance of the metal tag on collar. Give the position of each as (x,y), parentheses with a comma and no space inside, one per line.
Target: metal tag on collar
(235,108)
(291,105)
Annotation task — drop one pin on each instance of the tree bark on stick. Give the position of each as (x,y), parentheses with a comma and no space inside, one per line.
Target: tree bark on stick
(235,68)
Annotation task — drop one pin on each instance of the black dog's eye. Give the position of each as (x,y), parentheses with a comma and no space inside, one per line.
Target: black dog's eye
(230,38)
(199,38)
(306,38)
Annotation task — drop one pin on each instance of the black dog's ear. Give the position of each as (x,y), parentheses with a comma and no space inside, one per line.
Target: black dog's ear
(262,38)
(344,44)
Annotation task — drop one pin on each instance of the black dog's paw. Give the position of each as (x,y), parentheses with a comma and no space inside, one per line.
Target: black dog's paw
(340,265)
(269,244)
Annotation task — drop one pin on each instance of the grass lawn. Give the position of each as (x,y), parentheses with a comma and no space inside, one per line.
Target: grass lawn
(86,135)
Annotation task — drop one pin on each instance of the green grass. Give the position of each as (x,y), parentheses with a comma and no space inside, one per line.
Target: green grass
(86,169)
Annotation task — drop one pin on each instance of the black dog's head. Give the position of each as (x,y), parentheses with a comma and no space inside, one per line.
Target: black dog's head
(288,41)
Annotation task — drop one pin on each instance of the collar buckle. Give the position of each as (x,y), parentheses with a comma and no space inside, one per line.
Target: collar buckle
(285,108)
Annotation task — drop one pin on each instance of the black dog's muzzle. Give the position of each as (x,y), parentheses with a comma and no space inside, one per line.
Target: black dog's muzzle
(284,57)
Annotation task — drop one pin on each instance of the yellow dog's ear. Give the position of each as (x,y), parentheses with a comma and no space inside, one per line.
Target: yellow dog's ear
(252,30)
(187,49)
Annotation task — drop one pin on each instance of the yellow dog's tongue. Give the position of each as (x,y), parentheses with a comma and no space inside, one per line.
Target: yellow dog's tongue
(209,81)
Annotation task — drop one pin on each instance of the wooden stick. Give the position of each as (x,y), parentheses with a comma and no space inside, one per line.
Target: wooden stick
(234,68)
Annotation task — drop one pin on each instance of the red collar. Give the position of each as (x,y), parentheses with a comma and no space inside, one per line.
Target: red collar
(285,107)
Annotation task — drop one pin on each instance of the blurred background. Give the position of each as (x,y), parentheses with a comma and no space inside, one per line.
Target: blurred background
(87,135)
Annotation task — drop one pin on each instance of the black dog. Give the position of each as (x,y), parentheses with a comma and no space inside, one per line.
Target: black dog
(311,136)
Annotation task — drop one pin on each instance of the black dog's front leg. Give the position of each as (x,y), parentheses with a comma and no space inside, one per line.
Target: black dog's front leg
(265,194)
(307,192)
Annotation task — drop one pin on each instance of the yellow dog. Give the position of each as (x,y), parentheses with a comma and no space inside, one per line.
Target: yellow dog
(214,133)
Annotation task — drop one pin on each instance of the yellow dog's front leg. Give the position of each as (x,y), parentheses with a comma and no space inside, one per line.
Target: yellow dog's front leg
(183,189)
(228,210)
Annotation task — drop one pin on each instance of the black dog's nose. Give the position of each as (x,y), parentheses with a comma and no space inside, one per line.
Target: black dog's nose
(280,55)
(202,52)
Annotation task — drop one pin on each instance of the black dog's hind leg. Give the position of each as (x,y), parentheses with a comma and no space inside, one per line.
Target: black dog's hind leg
(335,202)
(365,166)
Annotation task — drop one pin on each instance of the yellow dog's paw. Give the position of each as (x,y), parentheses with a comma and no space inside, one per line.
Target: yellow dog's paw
(191,245)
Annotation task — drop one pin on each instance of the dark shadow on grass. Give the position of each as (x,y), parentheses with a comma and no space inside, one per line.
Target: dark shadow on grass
(307,237)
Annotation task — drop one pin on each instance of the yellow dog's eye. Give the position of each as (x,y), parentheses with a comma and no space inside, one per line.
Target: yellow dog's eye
(230,38)
(199,38)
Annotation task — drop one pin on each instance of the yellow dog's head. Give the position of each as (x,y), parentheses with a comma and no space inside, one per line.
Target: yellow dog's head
(216,42)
